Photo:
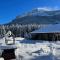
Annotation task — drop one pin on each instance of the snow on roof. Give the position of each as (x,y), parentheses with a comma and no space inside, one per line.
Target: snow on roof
(51,28)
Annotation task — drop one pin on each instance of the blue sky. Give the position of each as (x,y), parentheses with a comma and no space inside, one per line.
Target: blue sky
(9,9)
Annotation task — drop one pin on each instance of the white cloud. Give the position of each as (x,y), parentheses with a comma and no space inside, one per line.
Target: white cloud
(48,8)
(44,8)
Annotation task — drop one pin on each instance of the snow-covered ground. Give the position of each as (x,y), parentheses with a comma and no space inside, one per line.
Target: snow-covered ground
(1,58)
(36,50)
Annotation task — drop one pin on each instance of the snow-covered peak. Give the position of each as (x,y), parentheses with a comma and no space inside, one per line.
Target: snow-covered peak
(40,9)
(47,9)
(44,9)
(40,12)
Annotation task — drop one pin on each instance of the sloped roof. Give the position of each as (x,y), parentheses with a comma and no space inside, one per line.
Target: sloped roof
(51,28)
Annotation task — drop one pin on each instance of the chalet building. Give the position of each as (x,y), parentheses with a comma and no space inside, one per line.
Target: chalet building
(50,32)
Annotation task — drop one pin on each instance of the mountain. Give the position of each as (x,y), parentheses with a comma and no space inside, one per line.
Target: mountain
(38,16)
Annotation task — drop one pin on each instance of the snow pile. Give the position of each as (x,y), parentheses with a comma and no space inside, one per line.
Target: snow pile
(19,38)
(1,58)
(29,49)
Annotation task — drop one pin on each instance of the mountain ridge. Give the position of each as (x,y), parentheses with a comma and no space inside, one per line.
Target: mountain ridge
(38,16)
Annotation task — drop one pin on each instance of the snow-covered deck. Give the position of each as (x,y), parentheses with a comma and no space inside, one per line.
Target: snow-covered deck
(8,47)
(3,45)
